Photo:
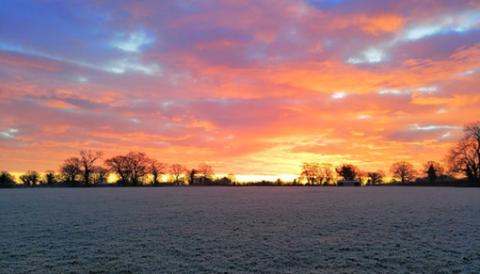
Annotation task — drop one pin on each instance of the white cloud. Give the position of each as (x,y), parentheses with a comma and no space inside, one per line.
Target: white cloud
(432,127)
(429,89)
(371,56)
(462,22)
(133,42)
(131,64)
(9,133)
(391,91)
(420,32)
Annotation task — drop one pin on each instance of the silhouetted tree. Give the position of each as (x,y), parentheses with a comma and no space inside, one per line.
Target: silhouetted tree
(311,172)
(348,172)
(192,176)
(30,178)
(87,163)
(50,178)
(465,156)
(157,169)
(6,179)
(177,170)
(205,173)
(403,171)
(131,168)
(99,175)
(224,181)
(433,170)
(71,170)
(376,177)
(326,174)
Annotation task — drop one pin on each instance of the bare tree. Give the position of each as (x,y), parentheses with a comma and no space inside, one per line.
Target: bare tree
(157,169)
(403,171)
(87,161)
(326,174)
(205,171)
(131,167)
(348,171)
(465,156)
(311,172)
(71,170)
(433,170)
(99,175)
(118,165)
(177,170)
(30,178)
(375,177)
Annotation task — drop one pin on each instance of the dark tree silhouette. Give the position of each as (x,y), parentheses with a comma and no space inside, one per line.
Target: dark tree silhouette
(465,156)
(433,170)
(375,177)
(30,178)
(403,171)
(50,178)
(205,173)
(6,179)
(348,172)
(157,169)
(99,175)
(87,163)
(71,170)
(177,170)
(131,168)
(192,176)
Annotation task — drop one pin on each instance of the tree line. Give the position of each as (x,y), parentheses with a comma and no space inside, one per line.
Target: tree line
(136,169)
(131,169)
(462,160)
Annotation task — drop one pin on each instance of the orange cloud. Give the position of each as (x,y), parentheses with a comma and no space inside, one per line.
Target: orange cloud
(61,104)
(376,24)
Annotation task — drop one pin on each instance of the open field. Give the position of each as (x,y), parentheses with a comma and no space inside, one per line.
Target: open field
(255,229)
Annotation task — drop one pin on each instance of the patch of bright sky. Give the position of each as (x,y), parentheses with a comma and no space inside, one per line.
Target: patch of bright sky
(446,135)
(363,117)
(339,95)
(441,111)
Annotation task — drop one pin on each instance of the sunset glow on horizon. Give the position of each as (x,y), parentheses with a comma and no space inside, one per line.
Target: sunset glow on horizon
(254,88)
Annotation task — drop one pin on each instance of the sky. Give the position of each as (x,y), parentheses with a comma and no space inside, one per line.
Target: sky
(250,87)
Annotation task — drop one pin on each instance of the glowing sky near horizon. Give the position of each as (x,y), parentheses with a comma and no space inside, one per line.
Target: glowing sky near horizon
(251,87)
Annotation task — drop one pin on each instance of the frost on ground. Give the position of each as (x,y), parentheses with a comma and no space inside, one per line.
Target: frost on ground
(251,229)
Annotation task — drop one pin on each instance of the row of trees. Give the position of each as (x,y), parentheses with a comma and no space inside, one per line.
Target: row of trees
(462,159)
(132,169)
(323,174)
(136,168)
